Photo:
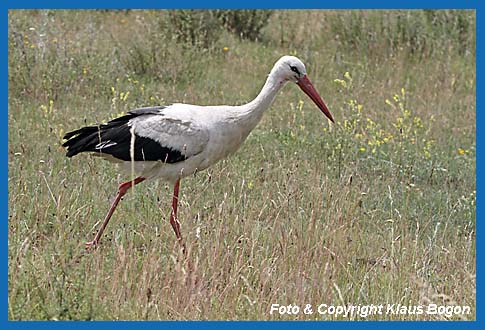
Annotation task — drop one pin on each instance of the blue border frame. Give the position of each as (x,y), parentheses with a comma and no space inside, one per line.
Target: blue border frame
(281,4)
(301,4)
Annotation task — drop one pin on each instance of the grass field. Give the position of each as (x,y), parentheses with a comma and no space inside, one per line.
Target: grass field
(378,208)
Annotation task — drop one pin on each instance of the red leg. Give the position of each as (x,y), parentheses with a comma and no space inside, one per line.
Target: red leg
(173,215)
(122,189)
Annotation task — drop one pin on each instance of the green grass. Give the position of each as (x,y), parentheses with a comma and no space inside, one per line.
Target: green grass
(378,208)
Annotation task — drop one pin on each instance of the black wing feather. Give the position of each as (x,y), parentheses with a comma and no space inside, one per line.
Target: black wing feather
(114,138)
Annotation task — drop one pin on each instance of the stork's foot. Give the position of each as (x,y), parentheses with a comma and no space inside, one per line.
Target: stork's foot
(89,245)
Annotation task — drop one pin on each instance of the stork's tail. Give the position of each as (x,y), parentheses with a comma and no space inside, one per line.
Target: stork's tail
(81,140)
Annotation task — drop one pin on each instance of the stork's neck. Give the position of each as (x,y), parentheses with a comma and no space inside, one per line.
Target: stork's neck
(266,95)
(252,112)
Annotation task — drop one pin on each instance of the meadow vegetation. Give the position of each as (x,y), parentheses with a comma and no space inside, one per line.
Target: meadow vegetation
(377,208)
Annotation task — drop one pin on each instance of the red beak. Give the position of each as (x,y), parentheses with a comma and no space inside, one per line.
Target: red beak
(307,86)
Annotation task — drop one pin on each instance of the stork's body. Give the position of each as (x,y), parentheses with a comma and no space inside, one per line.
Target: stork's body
(175,141)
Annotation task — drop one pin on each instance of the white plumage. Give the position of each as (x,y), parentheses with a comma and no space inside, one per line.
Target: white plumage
(175,141)
(179,130)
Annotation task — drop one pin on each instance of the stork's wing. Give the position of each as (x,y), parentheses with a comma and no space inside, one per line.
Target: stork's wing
(145,134)
(172,130)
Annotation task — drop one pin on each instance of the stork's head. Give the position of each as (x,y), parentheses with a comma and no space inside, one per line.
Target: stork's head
(290,68)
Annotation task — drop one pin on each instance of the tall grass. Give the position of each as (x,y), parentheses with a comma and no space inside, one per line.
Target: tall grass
(378,208)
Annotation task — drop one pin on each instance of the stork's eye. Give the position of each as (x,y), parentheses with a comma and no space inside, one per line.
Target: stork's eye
(294,69)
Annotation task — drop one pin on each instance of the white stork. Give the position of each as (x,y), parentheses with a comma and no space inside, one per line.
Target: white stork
(175,141)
